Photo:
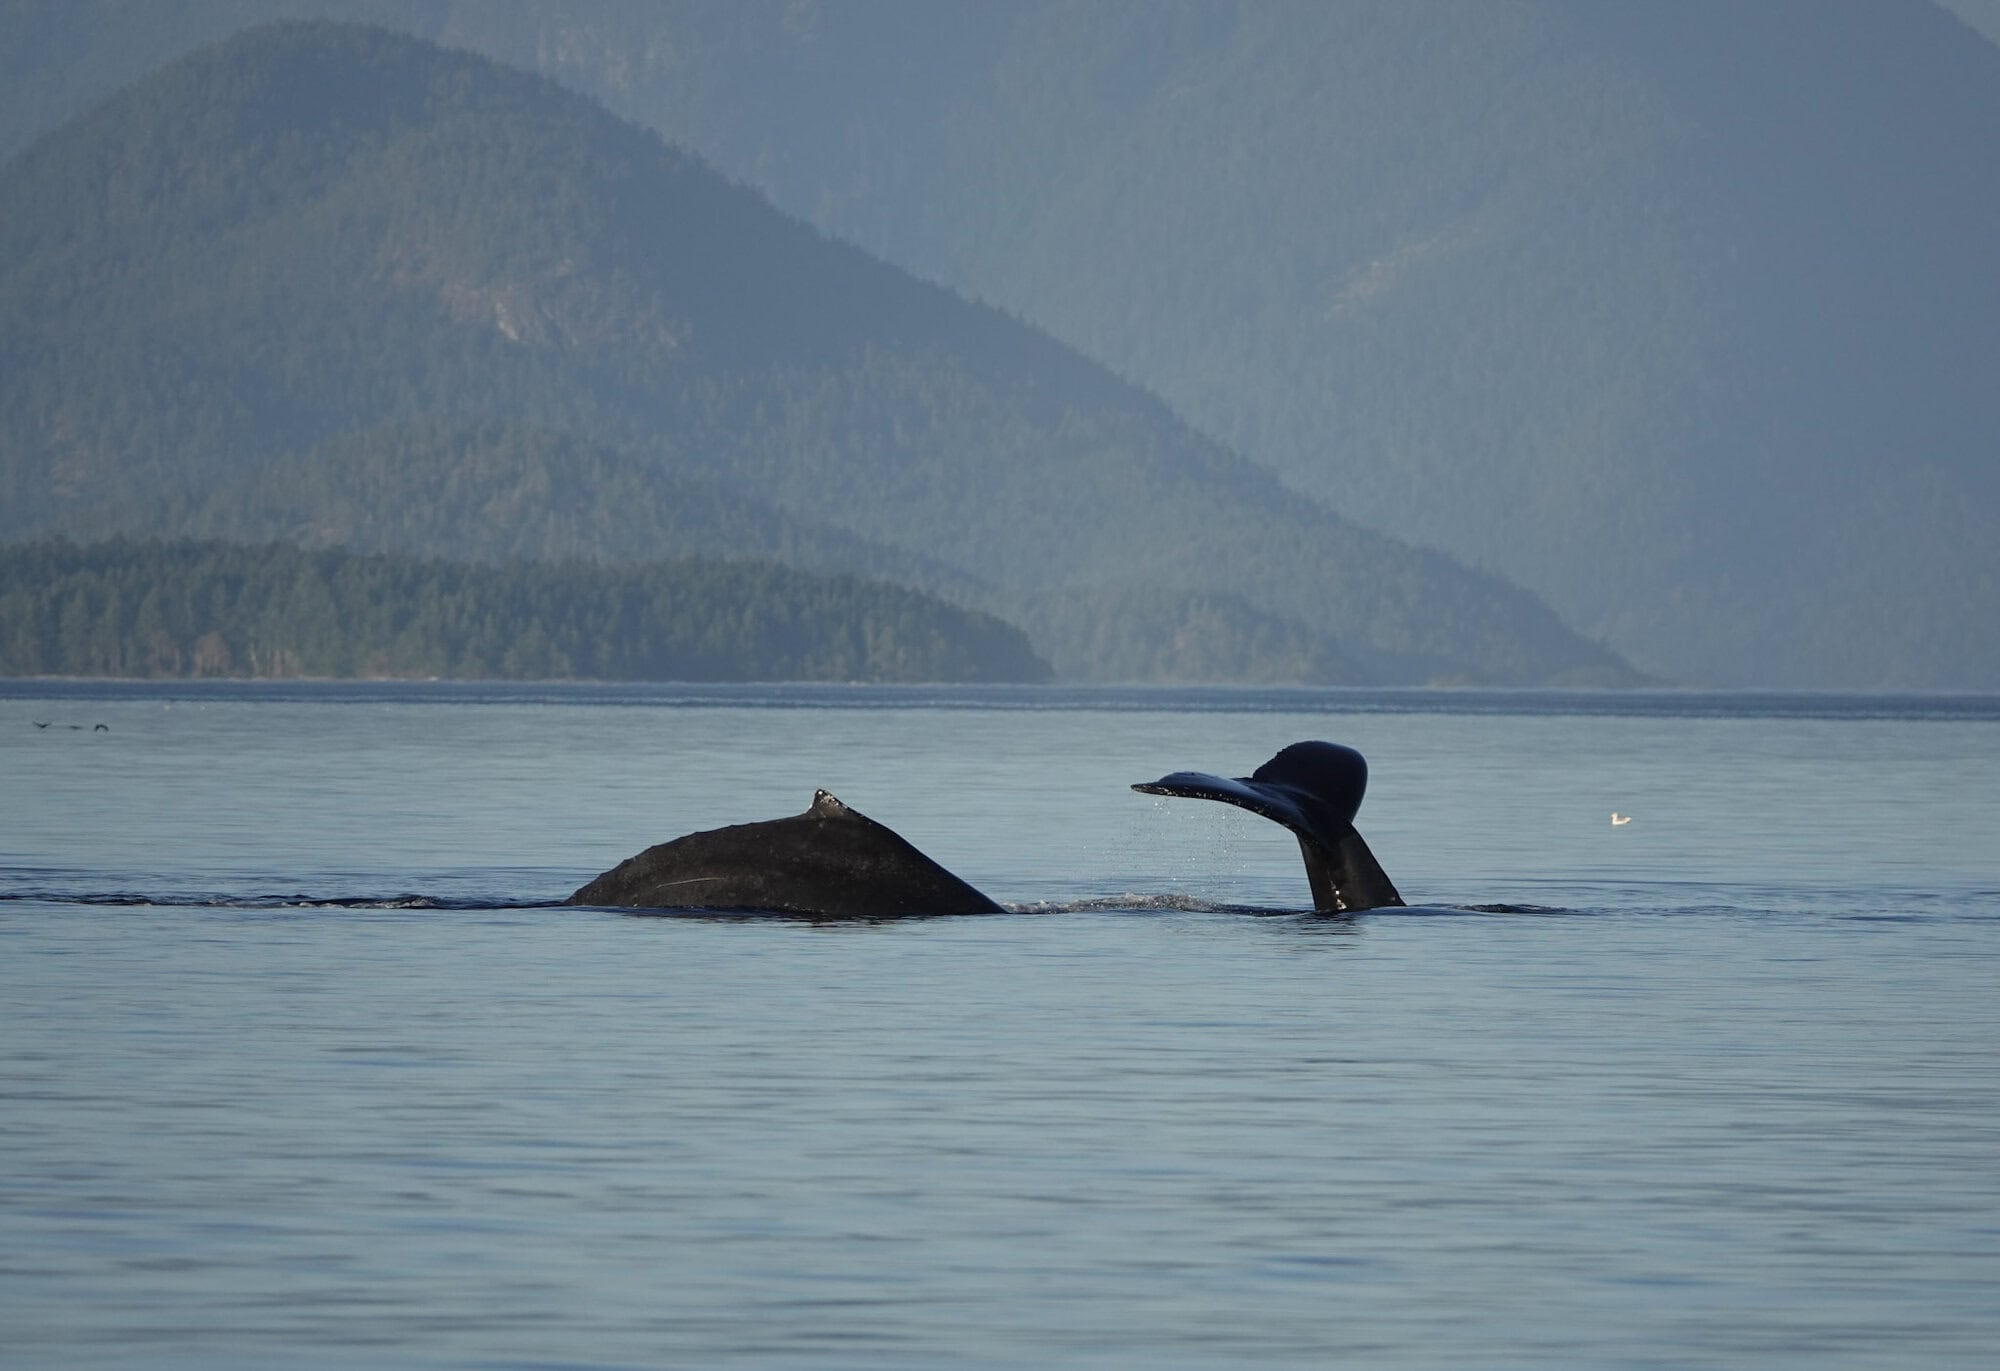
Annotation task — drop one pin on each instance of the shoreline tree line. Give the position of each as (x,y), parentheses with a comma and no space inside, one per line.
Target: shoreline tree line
(142,608)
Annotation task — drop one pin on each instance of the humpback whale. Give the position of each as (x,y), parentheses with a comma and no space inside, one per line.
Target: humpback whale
(836,862)
(830,860)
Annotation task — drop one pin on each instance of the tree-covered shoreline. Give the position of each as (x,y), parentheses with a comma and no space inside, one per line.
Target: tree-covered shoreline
(180,610)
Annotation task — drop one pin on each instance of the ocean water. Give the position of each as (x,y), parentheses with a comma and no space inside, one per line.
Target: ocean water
(301,1065)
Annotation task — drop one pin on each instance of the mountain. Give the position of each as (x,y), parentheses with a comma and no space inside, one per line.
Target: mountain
(1680,313)
(331,282)
(513,491)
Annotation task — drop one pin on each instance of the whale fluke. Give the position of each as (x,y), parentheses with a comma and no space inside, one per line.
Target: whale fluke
(1314,789)
(830,860)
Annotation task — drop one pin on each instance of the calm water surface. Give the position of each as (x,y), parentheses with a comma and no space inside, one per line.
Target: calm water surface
(297,1066)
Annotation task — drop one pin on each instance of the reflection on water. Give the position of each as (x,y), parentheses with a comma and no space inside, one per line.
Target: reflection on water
(299,1070)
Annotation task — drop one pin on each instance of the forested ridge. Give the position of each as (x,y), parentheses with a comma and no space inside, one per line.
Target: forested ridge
(139,608)
(331,285)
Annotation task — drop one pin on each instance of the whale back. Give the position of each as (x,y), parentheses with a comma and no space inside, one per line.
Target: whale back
(831,861)
(1314,789)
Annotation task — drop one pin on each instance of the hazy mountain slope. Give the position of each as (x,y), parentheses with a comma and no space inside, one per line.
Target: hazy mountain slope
(1682,314)
(1981,15)
(513,491)
(314,231)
